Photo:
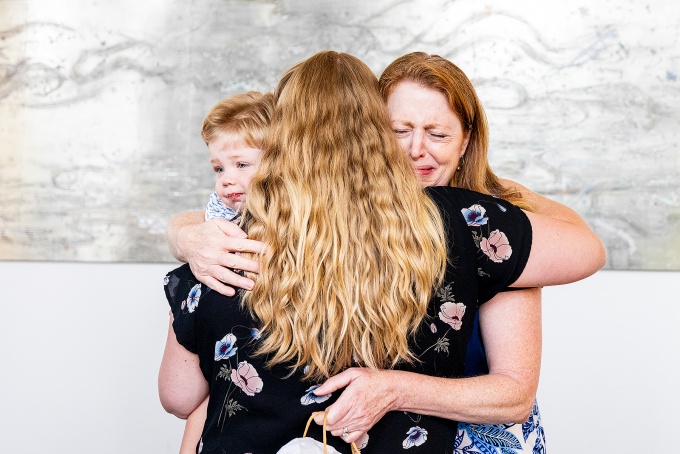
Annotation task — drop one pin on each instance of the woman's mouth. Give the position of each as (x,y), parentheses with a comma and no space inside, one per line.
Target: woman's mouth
(424,171)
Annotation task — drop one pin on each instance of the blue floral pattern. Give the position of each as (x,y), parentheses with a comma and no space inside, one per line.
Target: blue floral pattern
(475,215)
(416,436)
(502,438)
(311,398)
(217,209)
(193,298)
(226,347)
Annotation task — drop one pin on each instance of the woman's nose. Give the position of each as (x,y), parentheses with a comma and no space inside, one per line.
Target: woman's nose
(417,145)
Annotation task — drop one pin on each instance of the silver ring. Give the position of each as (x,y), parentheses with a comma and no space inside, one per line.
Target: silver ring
(345,432)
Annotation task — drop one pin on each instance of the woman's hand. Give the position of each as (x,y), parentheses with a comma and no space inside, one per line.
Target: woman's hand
(211,248)
(368,395)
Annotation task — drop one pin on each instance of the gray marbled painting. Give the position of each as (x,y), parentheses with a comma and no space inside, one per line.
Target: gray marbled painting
(101,103)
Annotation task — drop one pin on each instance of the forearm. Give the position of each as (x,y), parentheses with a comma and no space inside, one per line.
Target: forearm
(510,326)
(194,428)
(212,249)
(489,399)
(545,206)
(176,233)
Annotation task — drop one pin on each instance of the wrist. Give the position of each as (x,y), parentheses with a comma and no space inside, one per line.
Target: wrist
(398,388)
(180,232)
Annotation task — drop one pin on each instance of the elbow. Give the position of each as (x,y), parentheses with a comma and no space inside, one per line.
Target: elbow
(520,408)
(598,255)
(175,406)
(519,411)
(592,258)
(523,411)
(178,400)
(602,254)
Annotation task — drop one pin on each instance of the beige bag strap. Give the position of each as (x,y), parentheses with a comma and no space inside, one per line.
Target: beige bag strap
(355,450)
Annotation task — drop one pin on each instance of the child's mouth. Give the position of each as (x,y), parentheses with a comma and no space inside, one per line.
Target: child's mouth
(235,196)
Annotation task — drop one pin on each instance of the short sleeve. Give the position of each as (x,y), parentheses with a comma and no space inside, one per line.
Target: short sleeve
(500,232)
(183,293)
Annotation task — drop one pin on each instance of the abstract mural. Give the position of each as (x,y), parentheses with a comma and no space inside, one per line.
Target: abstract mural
(101,103)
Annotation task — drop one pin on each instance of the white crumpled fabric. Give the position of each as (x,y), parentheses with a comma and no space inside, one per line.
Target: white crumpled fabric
(305,446)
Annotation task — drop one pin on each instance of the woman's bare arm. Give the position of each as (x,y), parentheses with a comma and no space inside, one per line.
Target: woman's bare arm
(561,252)
(565,249)
(194,428)
(545,206)
(181,384)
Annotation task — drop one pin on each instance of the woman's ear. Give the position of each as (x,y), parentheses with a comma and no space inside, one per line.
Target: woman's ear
(465,142)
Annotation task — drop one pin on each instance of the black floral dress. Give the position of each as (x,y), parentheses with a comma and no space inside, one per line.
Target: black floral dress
(253,409)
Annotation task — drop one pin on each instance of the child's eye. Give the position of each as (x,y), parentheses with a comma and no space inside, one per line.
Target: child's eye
(218,169)
(242,165)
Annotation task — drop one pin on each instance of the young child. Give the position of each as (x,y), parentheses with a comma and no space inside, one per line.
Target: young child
(233,130)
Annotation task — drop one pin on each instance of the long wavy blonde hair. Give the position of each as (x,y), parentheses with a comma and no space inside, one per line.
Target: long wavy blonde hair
(355,247)
(440,74)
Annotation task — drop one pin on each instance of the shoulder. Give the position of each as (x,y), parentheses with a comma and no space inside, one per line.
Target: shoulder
(181,286)
(177,277)
(184,290)
(450,197)
(473,207)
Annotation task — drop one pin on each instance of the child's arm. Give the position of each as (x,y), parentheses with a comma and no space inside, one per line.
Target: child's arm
(194,428)
(211,249)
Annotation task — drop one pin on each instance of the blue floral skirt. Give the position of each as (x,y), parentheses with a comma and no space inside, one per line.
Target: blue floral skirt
(528,437)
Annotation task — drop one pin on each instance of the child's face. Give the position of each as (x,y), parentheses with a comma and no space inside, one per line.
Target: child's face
(234,163)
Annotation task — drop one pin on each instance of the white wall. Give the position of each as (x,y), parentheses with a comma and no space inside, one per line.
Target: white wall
(610,377)
(80,346)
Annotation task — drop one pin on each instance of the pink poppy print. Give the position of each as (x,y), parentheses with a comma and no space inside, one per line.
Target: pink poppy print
(246,377)
(452,314)
(496,247)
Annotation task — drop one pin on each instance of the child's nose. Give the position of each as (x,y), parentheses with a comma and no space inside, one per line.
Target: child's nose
(227,178)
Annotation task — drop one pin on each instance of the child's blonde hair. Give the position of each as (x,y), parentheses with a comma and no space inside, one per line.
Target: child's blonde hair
(245,116)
